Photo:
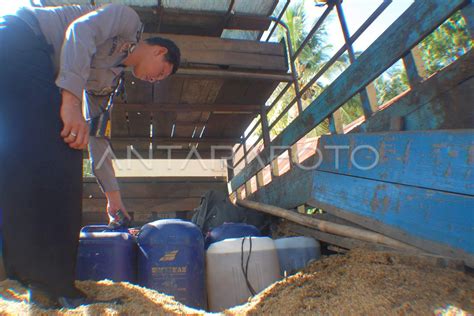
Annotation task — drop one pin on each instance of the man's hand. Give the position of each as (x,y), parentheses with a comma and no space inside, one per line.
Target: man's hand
(114,203)
(75,131)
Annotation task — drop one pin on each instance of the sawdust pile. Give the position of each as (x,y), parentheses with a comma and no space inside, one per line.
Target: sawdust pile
(360,283)
(367,283)
(136,301)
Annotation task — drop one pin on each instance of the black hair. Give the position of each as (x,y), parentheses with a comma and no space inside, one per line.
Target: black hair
(173,55)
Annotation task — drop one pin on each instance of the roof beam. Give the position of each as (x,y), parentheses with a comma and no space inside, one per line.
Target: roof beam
(174,140)
(182,107)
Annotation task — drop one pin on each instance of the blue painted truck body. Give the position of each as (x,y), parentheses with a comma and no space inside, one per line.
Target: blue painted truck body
(414,183)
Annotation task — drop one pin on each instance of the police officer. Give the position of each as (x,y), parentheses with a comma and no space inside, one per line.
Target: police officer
(54,61)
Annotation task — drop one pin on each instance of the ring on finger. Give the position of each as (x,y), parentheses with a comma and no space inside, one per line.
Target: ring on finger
(73,134)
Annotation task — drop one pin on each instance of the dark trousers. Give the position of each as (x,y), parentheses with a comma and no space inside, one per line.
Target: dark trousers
(40,176)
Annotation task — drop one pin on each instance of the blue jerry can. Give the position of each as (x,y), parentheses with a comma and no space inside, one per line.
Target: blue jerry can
(231,230)
(171,260)
(102,228)
(107,255)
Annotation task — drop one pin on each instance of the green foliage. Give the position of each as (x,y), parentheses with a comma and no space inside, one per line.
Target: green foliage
(393,82)
(351,110)
(308,63)
(447,43)
(443,46)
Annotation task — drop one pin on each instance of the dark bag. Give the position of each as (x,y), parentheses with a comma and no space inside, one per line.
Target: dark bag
(216,209)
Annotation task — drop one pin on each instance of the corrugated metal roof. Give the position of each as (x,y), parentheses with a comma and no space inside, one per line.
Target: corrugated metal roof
(210,27)
(261,7)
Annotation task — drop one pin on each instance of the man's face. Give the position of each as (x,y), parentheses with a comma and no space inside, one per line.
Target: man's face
(153,67)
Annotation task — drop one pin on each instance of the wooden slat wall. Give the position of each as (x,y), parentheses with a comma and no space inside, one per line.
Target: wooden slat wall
(443,101)
(198,23)
(238,54)
(148,199)
(415,24)
(439,160)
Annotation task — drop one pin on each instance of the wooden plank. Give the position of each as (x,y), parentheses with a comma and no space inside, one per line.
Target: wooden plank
(334,219)
(175,179)
(93,218)
(414,24)
(260,180)
(450,110)
(198,22)
(189,43)
(288,190)
(232,74)
(414,66)
(442,101)
(196,91)
(143,218)
(236,60)
(145,205)
(183,107)
(335,123)
(413,215)
(143,141)
(198,50)
(293,229)
(183,152)
(157,190)
(439,160)
(200,91)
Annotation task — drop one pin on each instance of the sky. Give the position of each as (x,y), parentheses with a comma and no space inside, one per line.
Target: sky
(356,12)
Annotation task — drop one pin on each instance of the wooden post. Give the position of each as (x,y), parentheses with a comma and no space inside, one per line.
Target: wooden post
(266,137)
(240,193)
(244,146)
(335,123)
(233,197)
(265,128)
(301,209)
(248,187)
(372,96)
(275,168)
(414,66)
(293,154)
(260,179)
(230,169)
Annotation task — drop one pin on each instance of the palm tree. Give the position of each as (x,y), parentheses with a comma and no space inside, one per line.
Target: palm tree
(307,64)
(311,59)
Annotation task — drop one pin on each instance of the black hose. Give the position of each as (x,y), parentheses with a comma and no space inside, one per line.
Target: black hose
(246,268)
